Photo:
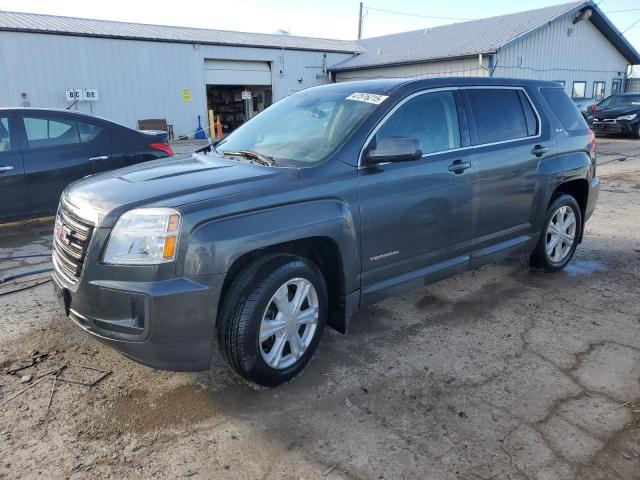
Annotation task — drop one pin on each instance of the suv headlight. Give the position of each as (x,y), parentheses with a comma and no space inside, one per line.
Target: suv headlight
(144,236)
(627,117)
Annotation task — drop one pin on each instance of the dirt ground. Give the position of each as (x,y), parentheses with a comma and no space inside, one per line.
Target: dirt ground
(500,373)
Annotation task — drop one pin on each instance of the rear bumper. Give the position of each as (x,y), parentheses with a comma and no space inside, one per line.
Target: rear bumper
(592,199)
(166,324)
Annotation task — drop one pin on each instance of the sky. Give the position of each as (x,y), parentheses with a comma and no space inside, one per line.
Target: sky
(312,18)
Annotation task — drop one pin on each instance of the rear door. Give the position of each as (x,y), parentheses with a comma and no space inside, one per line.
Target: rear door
(14,196)
(58,150)
(509,145)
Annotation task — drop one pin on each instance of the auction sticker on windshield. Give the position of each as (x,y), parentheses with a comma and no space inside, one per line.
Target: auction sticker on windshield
(368,97)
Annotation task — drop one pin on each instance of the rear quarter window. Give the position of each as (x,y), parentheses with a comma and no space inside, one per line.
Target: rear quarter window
(564,109)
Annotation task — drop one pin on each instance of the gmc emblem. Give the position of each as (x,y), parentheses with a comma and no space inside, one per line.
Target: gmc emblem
(62,232)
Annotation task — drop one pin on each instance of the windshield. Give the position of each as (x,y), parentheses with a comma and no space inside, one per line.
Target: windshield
(299,130)
(620,101)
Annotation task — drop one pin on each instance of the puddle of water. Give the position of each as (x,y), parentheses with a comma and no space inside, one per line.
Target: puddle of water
(578,268)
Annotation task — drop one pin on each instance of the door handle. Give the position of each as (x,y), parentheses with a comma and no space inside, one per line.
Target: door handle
(101,157)
(5,168)
(458,166)
(539,150)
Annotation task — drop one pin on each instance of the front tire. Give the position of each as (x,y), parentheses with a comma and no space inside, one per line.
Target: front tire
(272,319)
(559,238)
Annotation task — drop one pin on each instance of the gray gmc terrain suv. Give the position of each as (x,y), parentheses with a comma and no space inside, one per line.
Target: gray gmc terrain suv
(327,201)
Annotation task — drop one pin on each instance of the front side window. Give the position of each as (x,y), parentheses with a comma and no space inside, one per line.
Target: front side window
(579,90)
(431,118)
(598,90)
(5,139)
(301,129)
(46,132)
(499,114)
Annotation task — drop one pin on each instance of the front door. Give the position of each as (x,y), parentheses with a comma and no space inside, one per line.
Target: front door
(416,216)
(509,146)
(58,151)
(14,197)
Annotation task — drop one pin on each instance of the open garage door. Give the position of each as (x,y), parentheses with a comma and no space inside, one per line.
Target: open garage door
(236,72)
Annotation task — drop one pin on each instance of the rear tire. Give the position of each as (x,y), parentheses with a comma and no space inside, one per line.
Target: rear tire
(559,238)
(272,319)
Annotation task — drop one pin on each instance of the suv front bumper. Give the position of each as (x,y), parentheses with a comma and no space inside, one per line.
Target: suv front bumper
(167,324)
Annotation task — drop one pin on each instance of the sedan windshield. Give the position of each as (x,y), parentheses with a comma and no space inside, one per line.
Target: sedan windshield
(299,130)
(618,101)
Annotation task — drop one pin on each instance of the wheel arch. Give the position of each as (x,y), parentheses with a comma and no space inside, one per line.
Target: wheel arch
(321,251)
(321,231)
(578,189)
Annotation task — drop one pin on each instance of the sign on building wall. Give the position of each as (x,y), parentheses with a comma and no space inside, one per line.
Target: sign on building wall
(186,94)
(82,95)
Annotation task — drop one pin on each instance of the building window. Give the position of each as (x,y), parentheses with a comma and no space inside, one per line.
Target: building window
(598,90)
(615,86)
(579,90)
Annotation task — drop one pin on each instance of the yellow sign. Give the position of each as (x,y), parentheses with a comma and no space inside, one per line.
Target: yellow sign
(186,94)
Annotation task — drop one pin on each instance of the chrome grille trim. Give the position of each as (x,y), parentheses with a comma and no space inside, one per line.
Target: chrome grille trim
(68,256)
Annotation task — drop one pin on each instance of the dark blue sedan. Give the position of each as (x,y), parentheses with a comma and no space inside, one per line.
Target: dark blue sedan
(44,150)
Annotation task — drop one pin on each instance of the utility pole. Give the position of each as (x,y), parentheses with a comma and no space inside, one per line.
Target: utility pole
(360,23)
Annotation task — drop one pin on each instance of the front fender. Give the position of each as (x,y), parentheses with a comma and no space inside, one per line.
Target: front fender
(214,246)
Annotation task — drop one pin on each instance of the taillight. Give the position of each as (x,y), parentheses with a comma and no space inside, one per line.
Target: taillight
(592,140)
(163,147)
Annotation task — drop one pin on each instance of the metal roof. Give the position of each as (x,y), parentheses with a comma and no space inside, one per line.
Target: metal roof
(474,37)
(52,24)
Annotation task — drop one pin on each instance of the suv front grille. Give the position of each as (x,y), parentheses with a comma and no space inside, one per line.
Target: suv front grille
(70,241)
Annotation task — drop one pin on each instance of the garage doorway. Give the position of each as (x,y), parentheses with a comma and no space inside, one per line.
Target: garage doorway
(226,80)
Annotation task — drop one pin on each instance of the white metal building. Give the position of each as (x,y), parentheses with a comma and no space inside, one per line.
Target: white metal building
(129,72)
(151,71)
(573,43)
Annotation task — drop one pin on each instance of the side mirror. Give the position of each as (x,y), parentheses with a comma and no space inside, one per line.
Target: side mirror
(394,149)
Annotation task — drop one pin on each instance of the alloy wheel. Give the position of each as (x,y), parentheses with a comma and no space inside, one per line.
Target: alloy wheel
(561,234)
(289,323)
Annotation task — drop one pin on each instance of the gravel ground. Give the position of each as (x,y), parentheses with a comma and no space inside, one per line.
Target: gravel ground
(499,373)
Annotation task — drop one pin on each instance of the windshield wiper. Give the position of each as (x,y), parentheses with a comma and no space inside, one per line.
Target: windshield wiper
(260,158)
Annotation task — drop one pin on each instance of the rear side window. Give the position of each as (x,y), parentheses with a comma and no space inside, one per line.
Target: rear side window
(499,115)
(5,140)
(432,118)
(88,131)
(45,132)
(564,109)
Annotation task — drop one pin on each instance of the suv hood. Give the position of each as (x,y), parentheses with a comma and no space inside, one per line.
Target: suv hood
(615,112)
(103,197)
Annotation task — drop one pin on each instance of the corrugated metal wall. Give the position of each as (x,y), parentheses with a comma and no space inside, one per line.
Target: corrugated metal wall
(559,53)
(136,79)
(466,67)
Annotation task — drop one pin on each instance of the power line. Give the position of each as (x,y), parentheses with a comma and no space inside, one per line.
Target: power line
(631,26)
(416,15)
(623,11)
